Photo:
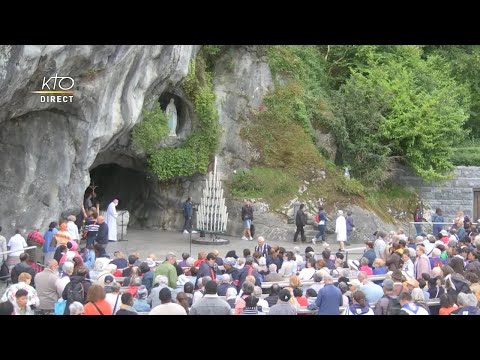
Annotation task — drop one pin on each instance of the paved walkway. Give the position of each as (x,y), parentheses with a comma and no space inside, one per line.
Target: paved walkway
(161,242)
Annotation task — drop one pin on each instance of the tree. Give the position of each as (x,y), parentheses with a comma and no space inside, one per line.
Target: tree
(399,100)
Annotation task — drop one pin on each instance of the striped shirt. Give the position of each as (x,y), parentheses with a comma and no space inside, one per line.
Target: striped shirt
(250,311)
(92,228)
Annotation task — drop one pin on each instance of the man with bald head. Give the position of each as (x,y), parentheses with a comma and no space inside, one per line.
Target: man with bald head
(46,287)
(262,247)
(102,235)
(372,291)
(273,275)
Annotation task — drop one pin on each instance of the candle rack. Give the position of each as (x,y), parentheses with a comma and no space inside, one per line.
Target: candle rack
(212,215)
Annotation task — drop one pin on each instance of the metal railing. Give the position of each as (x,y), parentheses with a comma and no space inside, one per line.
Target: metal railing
(429,224)
(10,251)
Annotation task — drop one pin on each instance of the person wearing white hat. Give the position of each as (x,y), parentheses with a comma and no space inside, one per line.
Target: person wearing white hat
(341,230)
(151,264)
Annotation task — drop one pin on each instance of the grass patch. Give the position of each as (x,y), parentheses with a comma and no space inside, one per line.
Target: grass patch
(272,184)
(283,145)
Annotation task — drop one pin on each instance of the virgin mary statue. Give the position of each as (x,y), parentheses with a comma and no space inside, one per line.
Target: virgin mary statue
(171,112)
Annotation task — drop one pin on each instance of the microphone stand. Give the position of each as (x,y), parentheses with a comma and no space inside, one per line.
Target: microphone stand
(194,208)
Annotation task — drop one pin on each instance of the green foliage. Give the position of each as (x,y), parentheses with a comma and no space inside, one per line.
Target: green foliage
(258,182)
(283,130)
(204,102)
(360,143)
(190,82)
(416,108)
(465,64)
(349,186)
(282,143)
(304,67)
(211,53)
(153,127)
(466,153)
(383,104)
(195,154)
(391,192)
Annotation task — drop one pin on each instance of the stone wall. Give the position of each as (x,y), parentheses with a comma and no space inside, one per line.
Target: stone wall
(450,196)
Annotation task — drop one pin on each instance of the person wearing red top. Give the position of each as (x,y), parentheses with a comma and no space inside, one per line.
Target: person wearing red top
(202,257)
(96,303)
(447,305)
(133,287)
(302,300)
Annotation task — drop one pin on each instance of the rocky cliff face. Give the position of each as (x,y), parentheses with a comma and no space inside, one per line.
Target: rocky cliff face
(49,150)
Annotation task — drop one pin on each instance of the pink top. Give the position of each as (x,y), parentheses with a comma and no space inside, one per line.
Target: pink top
(367,269)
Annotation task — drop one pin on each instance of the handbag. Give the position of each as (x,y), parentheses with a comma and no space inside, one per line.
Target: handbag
(4,270)
(60,305)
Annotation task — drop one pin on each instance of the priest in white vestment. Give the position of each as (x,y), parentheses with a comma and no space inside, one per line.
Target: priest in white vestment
(111,220)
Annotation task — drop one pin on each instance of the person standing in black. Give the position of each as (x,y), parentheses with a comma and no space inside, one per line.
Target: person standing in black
(300,221)
(187,214)
(102,235)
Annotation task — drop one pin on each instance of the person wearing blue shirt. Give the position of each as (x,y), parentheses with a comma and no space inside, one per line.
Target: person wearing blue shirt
(329,298)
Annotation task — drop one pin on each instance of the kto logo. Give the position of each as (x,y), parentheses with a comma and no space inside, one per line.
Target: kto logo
(55,89)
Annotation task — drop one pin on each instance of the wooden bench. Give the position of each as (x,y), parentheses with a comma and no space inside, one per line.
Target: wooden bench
(305,311)
(285,283)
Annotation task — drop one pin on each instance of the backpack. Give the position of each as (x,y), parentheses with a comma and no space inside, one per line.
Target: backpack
(36,237)
(76,292)
(393,307)
(437,263)
(317,218)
